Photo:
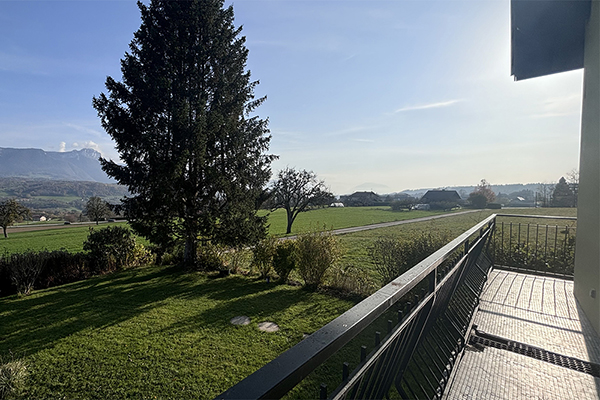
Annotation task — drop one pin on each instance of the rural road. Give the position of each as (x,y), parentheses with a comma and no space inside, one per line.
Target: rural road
(343,231)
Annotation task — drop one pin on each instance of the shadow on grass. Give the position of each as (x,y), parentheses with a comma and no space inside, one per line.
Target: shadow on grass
(38,321)
(258,300)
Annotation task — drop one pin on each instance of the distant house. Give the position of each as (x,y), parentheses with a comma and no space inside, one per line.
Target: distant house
(422,207)
(440,196)
(520,202)
(39,218)
(361,199)
(336,205)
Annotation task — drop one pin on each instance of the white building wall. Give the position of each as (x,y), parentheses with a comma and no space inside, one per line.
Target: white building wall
(587,256)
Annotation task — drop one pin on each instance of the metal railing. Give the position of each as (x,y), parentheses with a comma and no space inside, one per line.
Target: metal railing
(547,249)
(428,312)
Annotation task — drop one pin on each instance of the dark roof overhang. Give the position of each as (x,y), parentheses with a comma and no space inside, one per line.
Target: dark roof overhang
(547,36)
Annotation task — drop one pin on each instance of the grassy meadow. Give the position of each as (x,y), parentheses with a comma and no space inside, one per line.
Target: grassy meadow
(71,238)
(160,332)
(154,332)
(338,218)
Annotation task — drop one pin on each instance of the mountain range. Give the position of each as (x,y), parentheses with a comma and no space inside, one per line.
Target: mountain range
(75,165)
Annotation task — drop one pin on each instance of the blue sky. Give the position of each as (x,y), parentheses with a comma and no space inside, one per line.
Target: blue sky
(370,95)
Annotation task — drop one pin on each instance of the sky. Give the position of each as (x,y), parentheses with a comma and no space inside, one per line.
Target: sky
(369,95)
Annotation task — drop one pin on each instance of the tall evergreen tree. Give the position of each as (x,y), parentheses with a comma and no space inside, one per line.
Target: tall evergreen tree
(194,157)
(563,196)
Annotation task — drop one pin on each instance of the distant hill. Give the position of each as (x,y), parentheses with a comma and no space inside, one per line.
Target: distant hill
(75,165)
(47,194)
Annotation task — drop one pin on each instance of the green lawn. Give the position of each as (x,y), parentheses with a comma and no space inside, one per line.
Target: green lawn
(69,238)
(159,332)
(337,218)
(154,333)
(72,238)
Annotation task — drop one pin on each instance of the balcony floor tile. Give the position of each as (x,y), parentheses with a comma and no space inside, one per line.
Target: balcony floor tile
(538,311)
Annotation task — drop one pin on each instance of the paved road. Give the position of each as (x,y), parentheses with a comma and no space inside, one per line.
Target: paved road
(388,224)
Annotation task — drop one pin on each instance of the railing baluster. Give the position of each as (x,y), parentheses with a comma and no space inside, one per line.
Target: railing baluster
(510,248)
(537,239)
(546,246)
(555,241)
(502,238)
(323,392)
(564,263)
(345,371)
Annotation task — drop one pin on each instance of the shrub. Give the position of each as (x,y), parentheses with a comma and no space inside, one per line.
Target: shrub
(283,259)
(443,205)
(315,253)
(12,375)
(263,256)
(351,280)
(62,267)
(237,260)
(494,206)
(392,257)
(556,257)
(111,249)
(406,204)
(55,268)
(24,269)
(211,257)
(6,287)
(477,200)
(141,256)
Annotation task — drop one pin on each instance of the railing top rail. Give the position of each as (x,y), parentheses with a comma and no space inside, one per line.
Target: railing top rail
(537,216)
(282,374)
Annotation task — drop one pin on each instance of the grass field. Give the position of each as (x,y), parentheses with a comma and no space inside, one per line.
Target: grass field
(72,238)
(338,218)
(69,238)
(154,333)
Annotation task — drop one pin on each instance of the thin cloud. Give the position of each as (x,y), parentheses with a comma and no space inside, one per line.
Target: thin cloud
(427,106)
(556,114)
(352,129)
(363,140)
(81,128)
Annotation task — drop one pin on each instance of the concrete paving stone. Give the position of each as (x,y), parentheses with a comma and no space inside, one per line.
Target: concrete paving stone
(268,326)
(240,320)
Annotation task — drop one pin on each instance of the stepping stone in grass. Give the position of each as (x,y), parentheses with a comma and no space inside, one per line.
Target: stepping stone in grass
(240,320)
(268,327)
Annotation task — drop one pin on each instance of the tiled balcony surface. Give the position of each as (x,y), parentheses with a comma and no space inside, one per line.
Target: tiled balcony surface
(537,311)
